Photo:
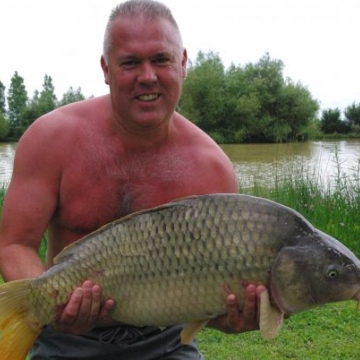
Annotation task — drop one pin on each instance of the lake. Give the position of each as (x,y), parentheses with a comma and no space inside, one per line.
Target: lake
(264,163)
(7,152)
(324,161)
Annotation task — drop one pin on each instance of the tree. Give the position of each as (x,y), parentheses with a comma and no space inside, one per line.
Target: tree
(331,122)
(265,82)
(71,96)
(2,98)
(296,109)
(251,103)
(31,112)
(352,115)
(242,107)
(47,98)
(203,92)
(4,127)
(16,99)
(40,104)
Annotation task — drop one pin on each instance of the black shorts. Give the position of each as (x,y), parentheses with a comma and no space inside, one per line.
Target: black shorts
(115,343)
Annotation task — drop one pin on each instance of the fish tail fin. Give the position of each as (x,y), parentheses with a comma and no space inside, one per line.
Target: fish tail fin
(17,331)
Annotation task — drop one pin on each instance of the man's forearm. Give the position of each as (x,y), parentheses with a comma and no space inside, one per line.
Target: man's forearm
(19,262)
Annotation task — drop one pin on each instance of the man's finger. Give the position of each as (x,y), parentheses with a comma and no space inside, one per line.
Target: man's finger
(71,310)
(250,303)
(86,303)
(234,318)
(94,310)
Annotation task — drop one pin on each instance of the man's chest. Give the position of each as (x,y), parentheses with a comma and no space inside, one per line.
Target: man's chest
(90,198)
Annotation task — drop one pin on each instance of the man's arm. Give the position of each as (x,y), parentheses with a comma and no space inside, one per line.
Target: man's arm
(29,205)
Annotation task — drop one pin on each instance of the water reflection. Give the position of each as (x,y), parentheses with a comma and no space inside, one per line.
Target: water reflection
(7,152)
(324,161)
(265,153)
(321,161)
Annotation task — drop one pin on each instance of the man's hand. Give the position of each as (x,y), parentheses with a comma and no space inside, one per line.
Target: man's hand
(235,320)
(84,311)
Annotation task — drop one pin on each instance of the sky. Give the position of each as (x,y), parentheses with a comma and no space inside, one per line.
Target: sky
(317,40)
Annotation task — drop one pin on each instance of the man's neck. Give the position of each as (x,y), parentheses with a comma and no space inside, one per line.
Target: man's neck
(145,138)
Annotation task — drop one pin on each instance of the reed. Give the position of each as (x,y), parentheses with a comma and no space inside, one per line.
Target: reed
(333,208)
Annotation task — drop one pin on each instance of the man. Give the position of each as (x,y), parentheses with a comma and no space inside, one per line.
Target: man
(90,162)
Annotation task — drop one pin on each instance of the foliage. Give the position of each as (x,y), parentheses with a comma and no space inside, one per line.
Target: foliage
(296,106)
(352,115)
(331,122)
(71,96)
(16,100)
(47,98)
(4,127)
(203,96)
(31,112)
(41,103)
(2,98)
(22,111)
(253,103)
(250,103)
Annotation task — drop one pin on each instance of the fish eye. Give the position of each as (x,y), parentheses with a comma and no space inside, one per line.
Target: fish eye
(332,272)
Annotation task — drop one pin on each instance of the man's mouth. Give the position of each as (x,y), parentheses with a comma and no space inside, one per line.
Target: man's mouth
(148,97)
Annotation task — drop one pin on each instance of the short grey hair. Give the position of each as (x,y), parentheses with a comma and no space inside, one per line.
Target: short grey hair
(149,9)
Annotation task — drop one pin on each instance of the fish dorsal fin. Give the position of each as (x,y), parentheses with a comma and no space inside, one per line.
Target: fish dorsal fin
(69,250)
(271,319)
(191,329)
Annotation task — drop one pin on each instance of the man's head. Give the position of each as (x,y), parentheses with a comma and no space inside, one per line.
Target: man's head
(144,64)
(148,9)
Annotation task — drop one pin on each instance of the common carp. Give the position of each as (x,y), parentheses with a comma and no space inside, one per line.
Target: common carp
(170,264)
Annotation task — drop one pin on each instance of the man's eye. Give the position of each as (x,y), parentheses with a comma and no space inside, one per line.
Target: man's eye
(129,63)
(161,60)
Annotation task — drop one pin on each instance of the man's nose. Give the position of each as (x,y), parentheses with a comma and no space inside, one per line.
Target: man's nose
(147,73)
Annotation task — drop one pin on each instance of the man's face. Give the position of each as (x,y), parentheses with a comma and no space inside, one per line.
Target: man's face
(145,70)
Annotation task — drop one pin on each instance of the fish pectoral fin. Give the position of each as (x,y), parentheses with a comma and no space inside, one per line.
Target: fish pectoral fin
(191,329)
(271,319)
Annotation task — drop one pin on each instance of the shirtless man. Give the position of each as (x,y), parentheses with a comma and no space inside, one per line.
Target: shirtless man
(88,163)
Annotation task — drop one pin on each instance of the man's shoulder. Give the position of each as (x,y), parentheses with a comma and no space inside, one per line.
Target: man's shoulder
(201,144)
(189,131)
(66,118)
(60,129)
(80,110)
(208,161)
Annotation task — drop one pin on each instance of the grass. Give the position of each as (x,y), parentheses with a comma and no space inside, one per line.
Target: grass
(330,332)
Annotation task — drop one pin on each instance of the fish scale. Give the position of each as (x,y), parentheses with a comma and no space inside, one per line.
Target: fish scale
(176,264)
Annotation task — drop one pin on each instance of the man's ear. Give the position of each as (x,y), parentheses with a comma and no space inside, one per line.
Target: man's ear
(184,63)
(105,69)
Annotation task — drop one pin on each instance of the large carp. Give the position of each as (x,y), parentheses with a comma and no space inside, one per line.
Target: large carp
(170,265)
